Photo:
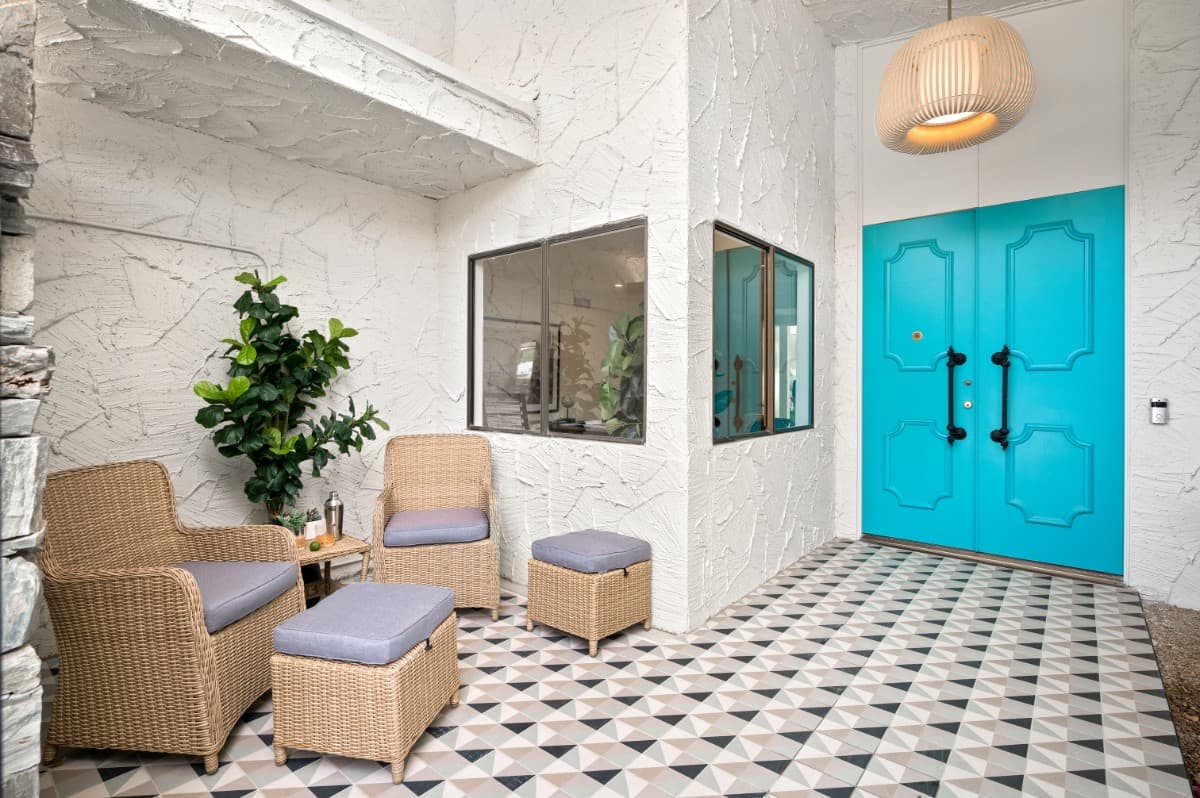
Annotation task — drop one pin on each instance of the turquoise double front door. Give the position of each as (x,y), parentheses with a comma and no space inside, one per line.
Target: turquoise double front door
(993,360)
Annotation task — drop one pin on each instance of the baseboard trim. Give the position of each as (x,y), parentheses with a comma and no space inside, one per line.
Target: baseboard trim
(1078,574)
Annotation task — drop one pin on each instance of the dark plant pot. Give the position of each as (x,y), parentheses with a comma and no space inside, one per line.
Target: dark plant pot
(274,508)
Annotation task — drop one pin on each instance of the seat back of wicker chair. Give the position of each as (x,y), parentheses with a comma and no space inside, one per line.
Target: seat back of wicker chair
(118,515)
(433,472)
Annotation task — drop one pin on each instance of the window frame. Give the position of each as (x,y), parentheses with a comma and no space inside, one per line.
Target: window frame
(766,335)
(545,245)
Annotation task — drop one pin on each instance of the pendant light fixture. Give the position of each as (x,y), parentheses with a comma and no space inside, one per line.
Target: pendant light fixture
(954,85)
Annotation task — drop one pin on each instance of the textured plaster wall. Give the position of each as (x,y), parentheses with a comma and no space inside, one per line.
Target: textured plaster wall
(1164,265)
(135,321)
(847,325)
(427,25)
(609,82)
(760,117)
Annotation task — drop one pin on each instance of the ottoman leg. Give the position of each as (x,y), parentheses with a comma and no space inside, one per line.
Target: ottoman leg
(210,763)
(280,755)
(495,613)
(454,697)
(646,623)
(593,646)
(528,624)
(398,771)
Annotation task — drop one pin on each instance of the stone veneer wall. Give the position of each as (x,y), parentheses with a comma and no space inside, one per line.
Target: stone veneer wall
(24,378)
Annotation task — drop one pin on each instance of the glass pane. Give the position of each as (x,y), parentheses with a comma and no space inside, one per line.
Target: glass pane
(598,334)
(793,342)
(738,402)
(508,335)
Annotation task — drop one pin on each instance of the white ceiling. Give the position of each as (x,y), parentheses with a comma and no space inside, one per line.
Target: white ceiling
(864,20)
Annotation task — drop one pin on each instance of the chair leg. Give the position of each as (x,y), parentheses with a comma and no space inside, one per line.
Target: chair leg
(495,613)
(528,624)
(593,646)
(398,771)
(646,623)
(454,697)
(211,763)
(280,755)
(51,755)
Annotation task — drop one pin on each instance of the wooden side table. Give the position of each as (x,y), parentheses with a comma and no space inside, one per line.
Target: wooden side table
(345,547)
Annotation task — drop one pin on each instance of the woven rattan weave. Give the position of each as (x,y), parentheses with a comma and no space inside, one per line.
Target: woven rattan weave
(432,472)
(364,711)
(137,668)
(591,606)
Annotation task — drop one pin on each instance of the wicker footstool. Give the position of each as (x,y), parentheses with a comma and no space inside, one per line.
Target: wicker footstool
(365,672)
(590,584)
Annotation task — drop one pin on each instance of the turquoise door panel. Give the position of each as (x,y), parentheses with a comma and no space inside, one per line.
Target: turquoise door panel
(1051,288)
(1041,282)
(918,301)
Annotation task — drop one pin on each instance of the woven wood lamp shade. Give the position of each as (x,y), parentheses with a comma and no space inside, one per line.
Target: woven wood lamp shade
(954,85)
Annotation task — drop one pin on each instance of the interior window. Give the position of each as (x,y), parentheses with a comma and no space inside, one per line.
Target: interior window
(586,333)
(762,338)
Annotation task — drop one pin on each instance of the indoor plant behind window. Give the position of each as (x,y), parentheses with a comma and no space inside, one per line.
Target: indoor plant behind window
(274,375)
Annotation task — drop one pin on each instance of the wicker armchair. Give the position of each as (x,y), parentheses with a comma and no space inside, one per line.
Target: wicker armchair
(138,669)
(434,472)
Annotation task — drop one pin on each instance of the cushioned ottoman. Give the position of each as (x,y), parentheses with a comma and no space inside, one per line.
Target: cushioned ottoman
(590,584)
(365,672)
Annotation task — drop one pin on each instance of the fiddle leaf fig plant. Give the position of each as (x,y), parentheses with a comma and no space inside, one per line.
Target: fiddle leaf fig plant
(265,411)
(622,393)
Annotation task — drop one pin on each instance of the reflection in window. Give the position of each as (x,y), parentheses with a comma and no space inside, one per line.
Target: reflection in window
(762,338)
(586,333)
(738,400)
(508,330)
(793,342)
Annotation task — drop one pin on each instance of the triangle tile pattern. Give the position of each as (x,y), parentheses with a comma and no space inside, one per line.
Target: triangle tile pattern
(861,670)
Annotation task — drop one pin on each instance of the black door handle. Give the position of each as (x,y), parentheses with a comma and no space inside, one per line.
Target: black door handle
(1001,359)
(953,359)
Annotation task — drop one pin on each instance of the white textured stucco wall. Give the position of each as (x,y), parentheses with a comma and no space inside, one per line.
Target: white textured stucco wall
(1163,177)
(760,139)
(609,82)
(134,321)
(427,25)
(1164,330)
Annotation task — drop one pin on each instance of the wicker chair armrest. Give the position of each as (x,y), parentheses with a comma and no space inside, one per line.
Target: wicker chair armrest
(128,592)
(385,505)
(247,543)
(492,509)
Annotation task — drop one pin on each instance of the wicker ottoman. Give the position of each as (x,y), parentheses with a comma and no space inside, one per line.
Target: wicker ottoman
(590,584)
(365,672)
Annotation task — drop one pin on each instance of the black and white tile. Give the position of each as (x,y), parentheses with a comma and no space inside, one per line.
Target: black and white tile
(861,670)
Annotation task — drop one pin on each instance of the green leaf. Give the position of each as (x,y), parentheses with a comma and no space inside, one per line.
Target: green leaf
(208,391)
(636,329)
(277,281)
(237,387)
(210,416)
(247,328)
(248,354)
(248,278)
(348,332)
(608,400)
(335,328)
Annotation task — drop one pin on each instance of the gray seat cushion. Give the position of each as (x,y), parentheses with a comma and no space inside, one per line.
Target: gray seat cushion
(368,622)
(230,591)
(425,527)
(592,551)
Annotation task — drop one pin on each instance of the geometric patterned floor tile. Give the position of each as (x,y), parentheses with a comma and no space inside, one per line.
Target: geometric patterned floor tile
(862,670)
